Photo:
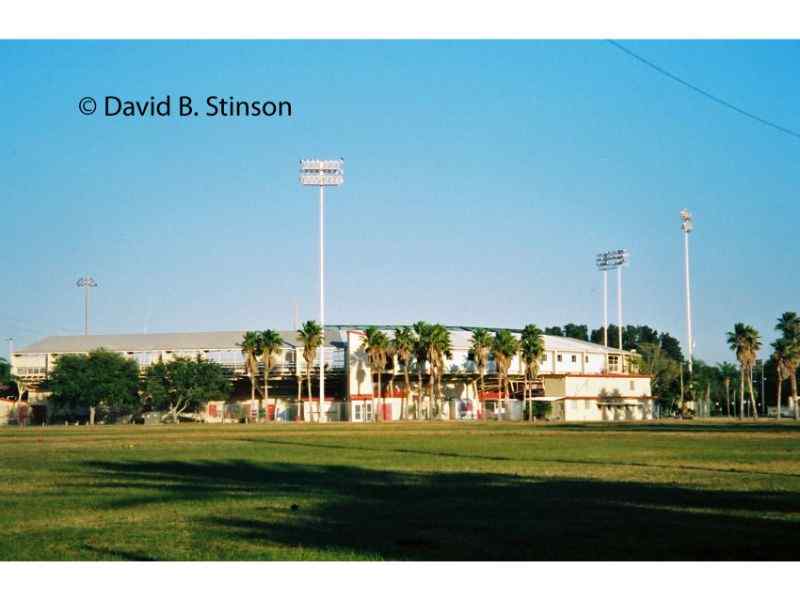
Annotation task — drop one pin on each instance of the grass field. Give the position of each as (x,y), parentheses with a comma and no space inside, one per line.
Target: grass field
(669,490)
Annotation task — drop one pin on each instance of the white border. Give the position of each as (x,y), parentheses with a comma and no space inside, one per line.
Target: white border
(407,19)
(390,581)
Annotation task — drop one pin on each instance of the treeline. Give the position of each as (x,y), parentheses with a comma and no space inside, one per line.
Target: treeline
(633,337)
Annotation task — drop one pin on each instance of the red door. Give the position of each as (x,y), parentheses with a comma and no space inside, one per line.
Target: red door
(387,412)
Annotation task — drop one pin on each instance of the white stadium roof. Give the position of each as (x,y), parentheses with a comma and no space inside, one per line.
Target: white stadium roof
(225,340)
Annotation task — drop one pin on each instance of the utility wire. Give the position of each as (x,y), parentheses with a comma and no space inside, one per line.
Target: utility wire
(702,92)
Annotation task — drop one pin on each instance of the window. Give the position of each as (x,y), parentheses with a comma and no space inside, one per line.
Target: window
(633,384)
(356,412)
(559,358)
(587,404)
(613,362)
(574,358)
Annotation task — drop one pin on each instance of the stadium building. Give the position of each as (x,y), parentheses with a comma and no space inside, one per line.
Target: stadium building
(578,380)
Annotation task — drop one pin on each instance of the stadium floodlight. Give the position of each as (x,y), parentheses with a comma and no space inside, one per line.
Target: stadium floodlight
(687,225)
(605,261)
(86,282)
(322,173)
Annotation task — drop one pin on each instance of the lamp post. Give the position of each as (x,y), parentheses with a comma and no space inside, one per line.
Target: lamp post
(322,173)
(86,283)
(605,261)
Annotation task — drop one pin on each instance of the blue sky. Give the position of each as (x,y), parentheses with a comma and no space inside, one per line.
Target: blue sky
(481,179)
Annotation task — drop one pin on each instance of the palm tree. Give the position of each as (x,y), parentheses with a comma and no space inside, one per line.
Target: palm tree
(422,332)
(504,348)
(727,372)
(789,326)
(481,344)
(271,343)
(745,341)
(375,343)
(404,343)
(251,348)
(440,348)
(391,353)
(782,368)
(531,353)
(311,335)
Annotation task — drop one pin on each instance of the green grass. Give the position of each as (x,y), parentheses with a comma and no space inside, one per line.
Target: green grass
(430,491)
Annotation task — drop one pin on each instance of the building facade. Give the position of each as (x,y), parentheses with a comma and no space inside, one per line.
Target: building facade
(578,380)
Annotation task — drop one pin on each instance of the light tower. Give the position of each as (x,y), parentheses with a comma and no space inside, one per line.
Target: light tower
(86,282)
(605,261)
(322,173)
(687,224)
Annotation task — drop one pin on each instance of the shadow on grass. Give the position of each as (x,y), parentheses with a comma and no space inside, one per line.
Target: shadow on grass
(566,461)
(462,516)
(117,554)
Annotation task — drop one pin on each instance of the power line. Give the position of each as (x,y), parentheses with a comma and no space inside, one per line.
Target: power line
(702,92)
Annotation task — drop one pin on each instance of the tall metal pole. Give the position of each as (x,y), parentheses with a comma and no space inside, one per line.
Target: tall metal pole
(605,316)
(321,173)
(86,310)
(322,301)
(688,298)
(86,282)
(619,315)
(687,225)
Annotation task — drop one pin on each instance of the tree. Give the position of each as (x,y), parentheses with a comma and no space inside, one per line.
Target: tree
(782,368)
(504,347)
(311,335)
(664,371)
(440,348)
(745,341)
(404,343)
(391,352)
(182,384)
(5,374)
(531,350)
(554,330)
(375,346)
(250,350)
(270,344)
(613,336)
(101,379)
(422,333)
(671,346)
(480,346)
(727,373)
(789,326)
(579,332)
